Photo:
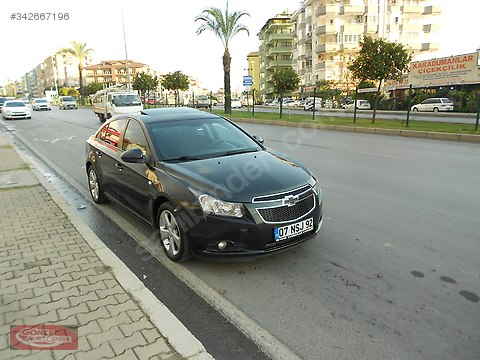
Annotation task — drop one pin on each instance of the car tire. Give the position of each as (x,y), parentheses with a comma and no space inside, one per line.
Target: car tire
(172,233)
(415,109)
(94,186)
(435,109)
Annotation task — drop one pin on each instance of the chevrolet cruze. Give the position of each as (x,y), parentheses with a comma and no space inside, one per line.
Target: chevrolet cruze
(210,188)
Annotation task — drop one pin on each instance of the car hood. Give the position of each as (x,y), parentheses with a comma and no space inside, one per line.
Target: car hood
(240,177)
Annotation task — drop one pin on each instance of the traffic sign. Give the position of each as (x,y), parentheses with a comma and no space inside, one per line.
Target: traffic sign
(247,80)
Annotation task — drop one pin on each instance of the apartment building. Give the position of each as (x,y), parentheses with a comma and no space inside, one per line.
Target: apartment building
(253,60)
(56,71)
(275,51)
(327,33)
(113,72)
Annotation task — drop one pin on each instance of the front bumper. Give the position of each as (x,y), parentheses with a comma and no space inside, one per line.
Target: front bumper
(247,237)
(22,115)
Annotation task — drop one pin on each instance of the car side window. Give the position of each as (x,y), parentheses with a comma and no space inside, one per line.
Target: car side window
(135,137)
(111,132)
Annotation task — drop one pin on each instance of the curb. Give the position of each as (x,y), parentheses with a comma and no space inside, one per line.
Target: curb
(177,335)
(364,130)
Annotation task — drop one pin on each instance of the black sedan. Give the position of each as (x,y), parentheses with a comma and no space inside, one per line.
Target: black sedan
(210,188)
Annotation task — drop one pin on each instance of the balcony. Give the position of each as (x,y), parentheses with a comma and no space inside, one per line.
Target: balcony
(431,28)
(432,10)
(429,47)
(327,47)
(412,9)
(326,9)
(353,28)
(349,46)
(279,50)
(410,27)
(280,36)
(326,29)
(353,10)
(279,63)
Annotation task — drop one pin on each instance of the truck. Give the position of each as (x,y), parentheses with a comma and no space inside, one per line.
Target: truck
(115,100)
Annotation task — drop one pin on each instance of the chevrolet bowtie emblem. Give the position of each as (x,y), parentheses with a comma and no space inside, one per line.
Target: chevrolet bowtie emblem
(290,200)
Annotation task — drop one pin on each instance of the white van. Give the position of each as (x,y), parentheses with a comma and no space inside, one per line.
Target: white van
(113,101)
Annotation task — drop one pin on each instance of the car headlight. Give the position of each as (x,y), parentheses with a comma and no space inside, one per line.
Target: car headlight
(211,205)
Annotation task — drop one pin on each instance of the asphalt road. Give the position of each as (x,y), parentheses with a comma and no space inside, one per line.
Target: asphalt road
(394,273)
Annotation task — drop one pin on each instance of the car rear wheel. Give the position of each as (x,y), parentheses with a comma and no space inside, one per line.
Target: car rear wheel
(415,109)
(94,186)
(435,109)
(173,235)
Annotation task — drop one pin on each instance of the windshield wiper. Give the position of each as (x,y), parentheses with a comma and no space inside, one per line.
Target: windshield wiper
(184,158)
(238,151)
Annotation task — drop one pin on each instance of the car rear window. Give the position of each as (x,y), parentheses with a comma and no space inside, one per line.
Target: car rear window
(68,98)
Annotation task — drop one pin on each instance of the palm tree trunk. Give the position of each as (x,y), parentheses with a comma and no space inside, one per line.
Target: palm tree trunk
(226,81)
(80,79)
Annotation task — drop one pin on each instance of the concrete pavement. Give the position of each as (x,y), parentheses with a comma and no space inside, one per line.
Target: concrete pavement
(55,270)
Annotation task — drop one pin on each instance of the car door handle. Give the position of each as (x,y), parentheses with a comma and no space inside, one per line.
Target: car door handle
(119,166)
(99,154)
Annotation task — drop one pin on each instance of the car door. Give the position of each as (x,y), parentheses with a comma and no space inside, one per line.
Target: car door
(136,182)
(106,153)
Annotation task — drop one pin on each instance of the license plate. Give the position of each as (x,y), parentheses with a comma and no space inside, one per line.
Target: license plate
(289,231)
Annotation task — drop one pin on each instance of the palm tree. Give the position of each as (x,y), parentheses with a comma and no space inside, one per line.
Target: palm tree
(225,26)
(81,52)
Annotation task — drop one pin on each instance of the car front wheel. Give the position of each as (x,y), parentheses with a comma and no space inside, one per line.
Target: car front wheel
(173,235)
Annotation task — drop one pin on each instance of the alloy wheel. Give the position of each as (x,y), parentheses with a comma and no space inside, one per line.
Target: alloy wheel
(170,233)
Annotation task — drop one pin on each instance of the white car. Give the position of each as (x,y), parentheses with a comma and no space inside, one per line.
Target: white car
(41,104)
(16,109)
(236,103)
(360,105)
(434,104)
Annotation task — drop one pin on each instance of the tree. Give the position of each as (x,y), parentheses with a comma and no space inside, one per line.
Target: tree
(145,82)
(285,80)
(379,60)
(176,81)
(225,26)
(80,51)
(66,91)
(92,88)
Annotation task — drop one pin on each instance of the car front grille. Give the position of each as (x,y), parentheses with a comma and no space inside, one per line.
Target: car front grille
(285,213)
(280,196)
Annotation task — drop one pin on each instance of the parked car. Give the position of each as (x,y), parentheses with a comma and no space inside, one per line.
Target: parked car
(434,104)
(210,188)
(273,102)
(16,109)
(236,104)
(360,104)
(308,105)
(67,102)
(41,104)
(2,101)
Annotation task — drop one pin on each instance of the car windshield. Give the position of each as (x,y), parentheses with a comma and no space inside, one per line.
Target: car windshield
(68,98)
(199,139)
(127,100)
(15,104)
(40,101)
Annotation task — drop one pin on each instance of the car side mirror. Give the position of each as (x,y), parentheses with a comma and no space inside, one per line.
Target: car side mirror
(134,155)
(259,139)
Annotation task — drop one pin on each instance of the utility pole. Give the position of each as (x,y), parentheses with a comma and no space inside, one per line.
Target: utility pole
(129,86)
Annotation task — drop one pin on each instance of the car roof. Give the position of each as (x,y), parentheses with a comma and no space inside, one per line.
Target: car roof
(177,113)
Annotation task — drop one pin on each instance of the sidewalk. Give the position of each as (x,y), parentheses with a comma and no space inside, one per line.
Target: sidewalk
(55,270)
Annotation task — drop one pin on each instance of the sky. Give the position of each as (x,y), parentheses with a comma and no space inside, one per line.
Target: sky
(162,34)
